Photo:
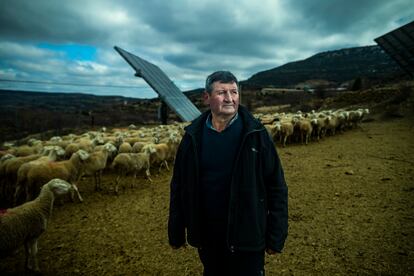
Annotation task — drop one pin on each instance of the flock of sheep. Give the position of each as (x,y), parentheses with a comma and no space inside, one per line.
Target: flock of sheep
(304,127)
(61,162)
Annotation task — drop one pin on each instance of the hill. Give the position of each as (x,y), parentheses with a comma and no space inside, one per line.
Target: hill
(23,113)
(335,66)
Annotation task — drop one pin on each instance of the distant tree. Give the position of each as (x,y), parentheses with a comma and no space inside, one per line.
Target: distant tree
(249,104)
(320,91)
(357,85)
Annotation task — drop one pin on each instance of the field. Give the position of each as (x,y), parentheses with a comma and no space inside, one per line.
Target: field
(351,212)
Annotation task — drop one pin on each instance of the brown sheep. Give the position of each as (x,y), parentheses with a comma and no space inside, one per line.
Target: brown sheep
(68,170)
(54,152)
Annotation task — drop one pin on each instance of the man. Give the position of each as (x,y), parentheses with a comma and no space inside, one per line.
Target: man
(228,190)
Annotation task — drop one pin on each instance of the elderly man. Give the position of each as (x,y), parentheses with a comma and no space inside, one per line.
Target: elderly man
(228,191)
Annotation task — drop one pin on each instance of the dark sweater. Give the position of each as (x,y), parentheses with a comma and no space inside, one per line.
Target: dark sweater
(218,153)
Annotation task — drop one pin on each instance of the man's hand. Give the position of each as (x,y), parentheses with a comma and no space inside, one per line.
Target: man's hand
(178,247)
(271,251)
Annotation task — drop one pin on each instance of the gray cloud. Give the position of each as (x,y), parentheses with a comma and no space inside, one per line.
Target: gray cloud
(186,39)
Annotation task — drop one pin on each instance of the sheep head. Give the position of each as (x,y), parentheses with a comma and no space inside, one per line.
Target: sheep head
(278,126)
(110,147)
(58,186)
(59,151)
(83,155)
(149,149)
(6,156)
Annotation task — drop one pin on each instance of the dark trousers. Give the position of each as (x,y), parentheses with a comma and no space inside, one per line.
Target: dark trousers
(218,261)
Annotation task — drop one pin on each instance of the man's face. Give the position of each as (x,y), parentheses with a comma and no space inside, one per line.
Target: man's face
(224,99)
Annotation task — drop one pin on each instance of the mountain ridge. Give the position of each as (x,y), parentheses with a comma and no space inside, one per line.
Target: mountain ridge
(335,66)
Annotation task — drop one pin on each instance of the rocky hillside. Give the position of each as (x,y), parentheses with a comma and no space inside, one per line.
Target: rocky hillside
(334,66)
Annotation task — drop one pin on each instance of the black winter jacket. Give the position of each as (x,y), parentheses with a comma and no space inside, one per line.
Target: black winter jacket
(258,207)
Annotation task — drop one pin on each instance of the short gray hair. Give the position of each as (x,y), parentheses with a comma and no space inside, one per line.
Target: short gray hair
(220,76)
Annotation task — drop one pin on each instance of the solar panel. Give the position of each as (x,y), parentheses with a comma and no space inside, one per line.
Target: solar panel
(399,44)
(162,85)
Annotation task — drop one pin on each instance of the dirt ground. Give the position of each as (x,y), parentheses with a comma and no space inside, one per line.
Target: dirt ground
(351,212)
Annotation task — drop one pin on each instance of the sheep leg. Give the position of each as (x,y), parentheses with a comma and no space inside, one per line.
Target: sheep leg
(100,179)
(16,195)
(147,172)
(75,189)
(95,174)
(165,165)
(117,184)
(27,253)
(134,180)
(31,255)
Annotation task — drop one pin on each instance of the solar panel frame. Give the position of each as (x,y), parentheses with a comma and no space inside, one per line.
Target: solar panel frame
(399,44)
(162,85)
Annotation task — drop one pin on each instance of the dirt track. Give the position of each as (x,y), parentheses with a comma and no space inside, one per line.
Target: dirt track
(351,212)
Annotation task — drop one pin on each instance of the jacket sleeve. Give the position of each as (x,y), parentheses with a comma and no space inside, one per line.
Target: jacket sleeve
(277,198)
(176,226)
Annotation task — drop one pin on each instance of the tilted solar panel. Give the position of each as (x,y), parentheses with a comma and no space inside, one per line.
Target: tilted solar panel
(165,88)
(399,44)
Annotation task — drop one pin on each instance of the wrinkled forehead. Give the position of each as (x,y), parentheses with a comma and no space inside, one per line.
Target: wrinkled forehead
(217,85)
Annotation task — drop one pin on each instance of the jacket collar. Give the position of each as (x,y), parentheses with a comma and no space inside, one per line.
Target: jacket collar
(249,122)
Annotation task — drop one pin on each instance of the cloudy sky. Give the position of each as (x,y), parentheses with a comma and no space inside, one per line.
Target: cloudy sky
(67,46)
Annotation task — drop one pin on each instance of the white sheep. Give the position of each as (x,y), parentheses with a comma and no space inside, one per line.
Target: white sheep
(305,129)
(286,130)
(25,150)
(173,142)
(23,225)
(8,174)
(3,183)
(84,143)
(130,163)
(356,116)
(158,153)
(319,124)
(137,147)
(125,147)
(332,124)
(96,163)
(272,130)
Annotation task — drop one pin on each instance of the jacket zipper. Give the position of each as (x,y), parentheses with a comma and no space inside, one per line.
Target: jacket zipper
(197,184)
(233,193)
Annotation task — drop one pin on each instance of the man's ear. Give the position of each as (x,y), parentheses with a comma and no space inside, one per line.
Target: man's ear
(206,98)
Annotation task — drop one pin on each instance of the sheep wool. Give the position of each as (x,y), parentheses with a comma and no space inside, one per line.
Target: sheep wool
(23,225)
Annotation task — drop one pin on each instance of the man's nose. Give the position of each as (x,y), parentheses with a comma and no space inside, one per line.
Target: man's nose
(227,96)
